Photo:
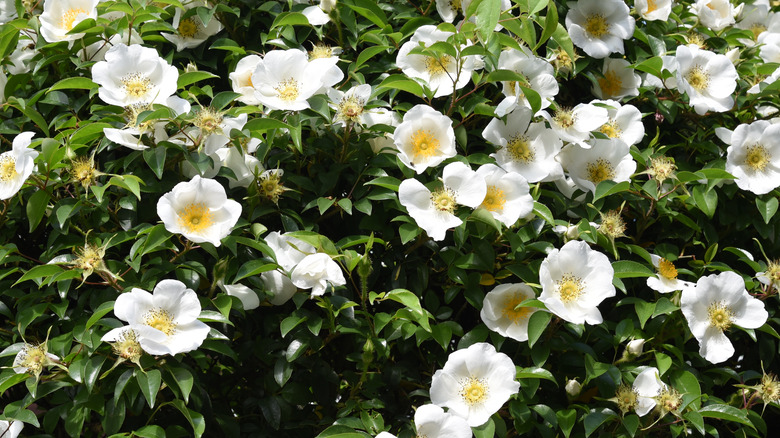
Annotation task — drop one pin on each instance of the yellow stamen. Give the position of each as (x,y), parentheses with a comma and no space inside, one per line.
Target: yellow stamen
(611,129)
(320,51)
(136,84)
(188,27)
(69,18)
(516,314)
(350,109)
(424,144)
(720,316)
(195,217)
(600,170)
(287,90)
(474,391)
(444,200)
(161,320)
(651,6)
(564,118)
(569,288)
(437,66)
(757,158)
(596,25)
(520,149)
(757,29)
(494,200)
(7,168)
(698,78)
(667,269)
(610,84)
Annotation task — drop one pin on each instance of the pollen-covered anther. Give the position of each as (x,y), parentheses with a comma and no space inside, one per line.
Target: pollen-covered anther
(269,186)
(600,170)
(610,84)
(350,109)
(565,118)
(698,78)
(438,65)
(519,148)
(208,120)
(136,84)
(612,224)
(69,17)
(596,25)
(667,269)
(757,158)
(195,217)
(611,128)
(720,316)
(626,398)
(320,51)
(495,199)
(444,200)
(474,391)
(188,27)
(288,90)
(424,144)
(668,400)
(569,287)
(7,168)
(661,168)
(161,320)
(127,346)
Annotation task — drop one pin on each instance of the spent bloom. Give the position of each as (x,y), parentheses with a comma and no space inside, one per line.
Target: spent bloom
(500,311)
(16,165)
(424,138)
(60,16)
(474,383)
(714,304)
(199,210)
(771,276)
(599,27)
(647,386)
(707,78)
(350,105)
(33,359)
(575,279)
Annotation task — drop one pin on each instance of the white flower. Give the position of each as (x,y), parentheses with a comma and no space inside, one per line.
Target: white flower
(648,386)
(432,422)
(199,210)
(32,359)
(756,18)
(501,314)
(350,105)
(599,26)
(753,156)
(16,165)
(60,16)
(285,79)
(315,271)
(241,79)
(317,14)
(171,312)
(424,138)
(131,135)
(618,80)
(134,75)
(666,280)
(434,211)
(10,429)
(605,160)
(625,122)
(652,10)
(474,383)
(537,71)
(715,14)
(97,51)
(635,346)
(707,78)
(713,305)
(288,250)
(7,13)
(443,74)
(575,124)
(527,150)
(20,58)
(279,285)
(247,296)
(575,279)
(769,46)
(190,31)
(507,198)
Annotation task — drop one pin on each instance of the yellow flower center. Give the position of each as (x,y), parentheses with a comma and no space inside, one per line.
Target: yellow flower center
(516,314)
(494,200)
(600,170)
(188,27)
(610,84)
(720,316)
(136,84)
(270,186)
(564,118)
(757,158)
(127,345)
(667,269)
(320,51)
(626,398)
(444,200)
(436,66)
(34,358)
(287,90)
(773,271)
(7,168)
(757,29)
(161,320)
(669,400)
(698,78)
(611,129)
(424,144)
(612,225)
(569,288)
(195,217)
(69,18)
(350,109)
(596,25)
(651,6)
(474,391)
(520,149)
(769,389)
(208,120)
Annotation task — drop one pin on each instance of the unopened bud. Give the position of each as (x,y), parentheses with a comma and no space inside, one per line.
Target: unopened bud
(573,388)
(634,347)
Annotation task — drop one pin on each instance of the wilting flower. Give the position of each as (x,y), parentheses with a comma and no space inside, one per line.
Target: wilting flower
(165,321)
(714,304)
(60,16)
(131,136)
(606,160)
(715,14)
(575,279)
(753,156)
(652,10)
(134,75)
(315,271)
(199,210)
(648,386)
(666,281)
(269,185)
(33,359)
(285,79)
(190,31)
(707,78)
(425,138)
(501,314)
(432,422)
(507,198)
(124,341)
(474,383)
(16,165)
(434,211)
(618,79)
(538,72)
(599,27)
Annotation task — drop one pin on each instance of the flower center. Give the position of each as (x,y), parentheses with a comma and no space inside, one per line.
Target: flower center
(7,168)
(773,271)
(626,398)
(516,314)
(651,6)
(611,129)
(424,144)
(34,358)
(320,51)
(520,149)
(569,288)
(136,84)
(494,200)
(161,320)
(610,84)
(667,269)
(127,345)
(436,66)
(188,27)
(455,4)
(600,170)
(69,18)
(287,90)
(564,118)
(350,109)
(596,25)
(195,217)
(757,29)
(757,158)
(208,120)
(444,200)
(698,78)
(474,391)
(669,400)
(720,315)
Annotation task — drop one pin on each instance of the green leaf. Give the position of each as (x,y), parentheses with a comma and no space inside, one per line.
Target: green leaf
(185,381)
(73,84)
(537,323)
(99,313)
(290,323)
(265,124)
(339,431)
(706,200)
(536,373)
(290,19)
(767,208)
(566,420)
(487,13)
(543,212)
(368,53)
(253,267)
(192,77)
(412,302)
(194,418)
(401,82)
(40,271)
(152,431)
(155,158)
(149,382)
(689,387)
(36,208)
(726,412)
(596,418)
(631,269)
(606,188)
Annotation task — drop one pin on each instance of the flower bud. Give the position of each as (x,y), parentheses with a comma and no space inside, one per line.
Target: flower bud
(634,347)
(573,388)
